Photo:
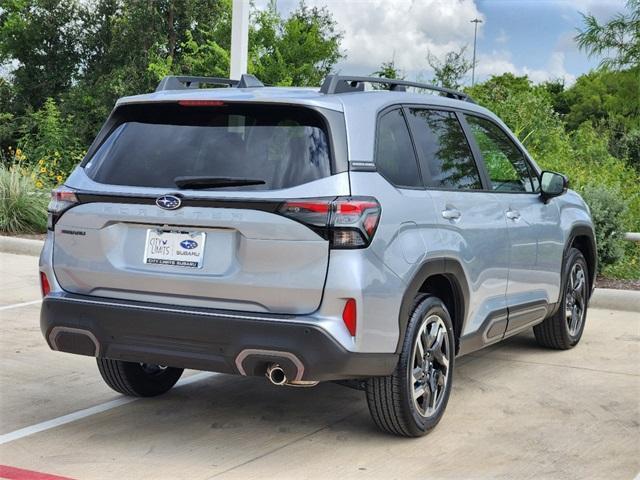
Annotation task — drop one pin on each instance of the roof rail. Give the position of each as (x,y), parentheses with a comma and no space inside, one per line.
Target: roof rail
(182,82)
(344,83)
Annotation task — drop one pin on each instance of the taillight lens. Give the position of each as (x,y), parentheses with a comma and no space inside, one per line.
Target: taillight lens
(62,198)
(45,288)
(347,222)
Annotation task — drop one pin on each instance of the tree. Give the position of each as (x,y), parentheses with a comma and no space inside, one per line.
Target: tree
(299,50)
(386,70)
(39,46)
(617,39)
(450,71)
(610,101)
(389,70)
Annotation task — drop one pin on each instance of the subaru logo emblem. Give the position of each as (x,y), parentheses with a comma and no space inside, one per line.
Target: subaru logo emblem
(188,244)
(168,202)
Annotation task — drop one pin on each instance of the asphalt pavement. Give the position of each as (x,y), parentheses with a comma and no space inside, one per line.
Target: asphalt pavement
(516,412)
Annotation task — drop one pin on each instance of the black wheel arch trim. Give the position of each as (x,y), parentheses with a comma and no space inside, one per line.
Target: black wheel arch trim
(591,258)
(453,271)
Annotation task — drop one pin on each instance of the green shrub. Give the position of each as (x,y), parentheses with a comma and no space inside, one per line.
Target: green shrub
(49,144)
(608,211)
(627,268)
(23,207)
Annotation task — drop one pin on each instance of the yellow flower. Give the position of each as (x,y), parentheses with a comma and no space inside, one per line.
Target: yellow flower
(59,178)
(43,170)
(18,152)
(39,184)
(41,162)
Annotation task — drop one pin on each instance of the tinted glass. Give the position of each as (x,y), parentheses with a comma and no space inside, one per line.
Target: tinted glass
(448,158)
(153,145)
(506,165)
(395,157)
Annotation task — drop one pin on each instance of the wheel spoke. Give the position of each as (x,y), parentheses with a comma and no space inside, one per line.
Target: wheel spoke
(433,332)
(578,298)
(441,358)
(579,282)
(419,391)
(419,351)
(437,345)
(575,317)
(417,373)
(433,387)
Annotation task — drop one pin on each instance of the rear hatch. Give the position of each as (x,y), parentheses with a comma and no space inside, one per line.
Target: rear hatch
(181,203)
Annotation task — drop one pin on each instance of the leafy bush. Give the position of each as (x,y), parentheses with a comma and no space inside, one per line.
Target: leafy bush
(607,211)
(49,145)
(23,207)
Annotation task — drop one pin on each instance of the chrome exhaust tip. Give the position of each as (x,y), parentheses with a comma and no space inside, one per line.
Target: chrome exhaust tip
(276,374)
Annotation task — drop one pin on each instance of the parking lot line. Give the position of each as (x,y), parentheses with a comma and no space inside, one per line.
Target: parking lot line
(87,412)
(13,473)
(18,305)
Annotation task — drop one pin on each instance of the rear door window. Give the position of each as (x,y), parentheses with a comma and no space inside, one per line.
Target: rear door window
(446,154)
(395,156)
(154,144)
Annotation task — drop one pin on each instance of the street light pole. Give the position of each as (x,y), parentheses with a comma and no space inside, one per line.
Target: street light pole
(476,21)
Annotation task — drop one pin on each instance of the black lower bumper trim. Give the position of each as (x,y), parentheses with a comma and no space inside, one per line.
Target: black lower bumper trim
(201,339)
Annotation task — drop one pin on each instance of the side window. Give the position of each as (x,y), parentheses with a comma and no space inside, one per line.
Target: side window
(395,157)
(448,157)
(506,165)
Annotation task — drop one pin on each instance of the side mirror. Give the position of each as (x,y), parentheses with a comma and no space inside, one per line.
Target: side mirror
(552,184)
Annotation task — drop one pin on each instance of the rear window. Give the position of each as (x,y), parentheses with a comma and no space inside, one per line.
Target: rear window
(152,145)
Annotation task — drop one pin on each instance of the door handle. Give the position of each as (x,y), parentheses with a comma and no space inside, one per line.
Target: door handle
(513,214)
(451,214)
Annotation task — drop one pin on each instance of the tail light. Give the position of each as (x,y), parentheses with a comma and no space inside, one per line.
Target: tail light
(45,288)
(347,222)
(62,199)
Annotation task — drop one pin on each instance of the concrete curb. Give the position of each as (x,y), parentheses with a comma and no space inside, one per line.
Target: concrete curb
(606,298)
(612,299)
(20,246)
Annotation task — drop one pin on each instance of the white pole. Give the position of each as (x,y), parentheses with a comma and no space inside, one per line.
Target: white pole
(239,38)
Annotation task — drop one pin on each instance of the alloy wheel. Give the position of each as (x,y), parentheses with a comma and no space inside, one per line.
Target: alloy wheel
(575,299)
(430,365)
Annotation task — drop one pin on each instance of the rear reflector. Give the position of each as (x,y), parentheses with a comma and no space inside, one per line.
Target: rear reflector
(349,315)
(45,288)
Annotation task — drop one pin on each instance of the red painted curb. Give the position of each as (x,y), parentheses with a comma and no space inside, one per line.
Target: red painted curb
(12,473)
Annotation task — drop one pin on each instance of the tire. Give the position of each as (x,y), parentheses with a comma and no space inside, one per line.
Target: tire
(137,379)
(391,399)
(564,328)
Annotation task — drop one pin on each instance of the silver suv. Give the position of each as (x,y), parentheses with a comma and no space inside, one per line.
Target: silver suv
(367,236)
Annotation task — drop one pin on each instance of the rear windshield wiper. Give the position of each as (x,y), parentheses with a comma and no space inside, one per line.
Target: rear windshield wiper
(201,182)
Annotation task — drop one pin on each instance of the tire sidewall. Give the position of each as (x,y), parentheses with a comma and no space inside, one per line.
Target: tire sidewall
(150,385)
(424,308)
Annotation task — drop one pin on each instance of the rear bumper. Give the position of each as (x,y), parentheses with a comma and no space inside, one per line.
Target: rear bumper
(203,339)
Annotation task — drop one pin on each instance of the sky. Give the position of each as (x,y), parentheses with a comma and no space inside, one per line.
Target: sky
(532,37)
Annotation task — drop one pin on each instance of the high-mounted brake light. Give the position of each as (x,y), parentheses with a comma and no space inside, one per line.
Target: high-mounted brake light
(62,198)
(347,222)
(200,103)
